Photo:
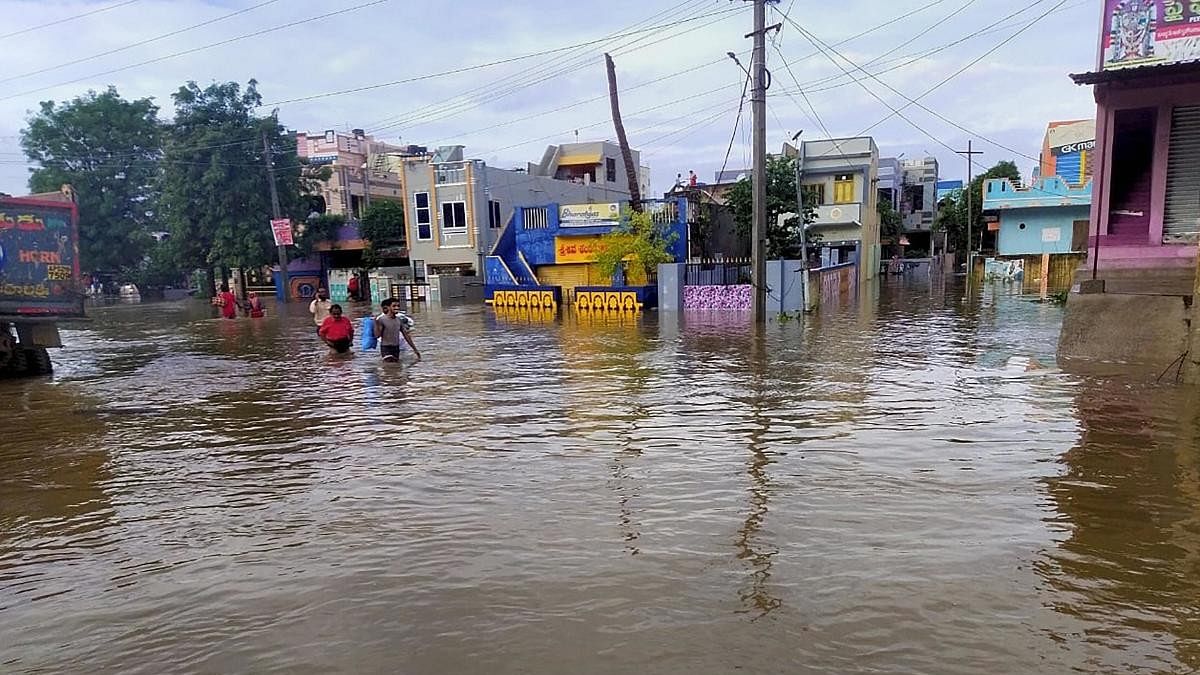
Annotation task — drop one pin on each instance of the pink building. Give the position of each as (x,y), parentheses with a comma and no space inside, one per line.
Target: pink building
(1134,299)
(1146,200)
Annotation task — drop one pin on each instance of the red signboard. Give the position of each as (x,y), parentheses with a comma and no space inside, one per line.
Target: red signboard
(282,230)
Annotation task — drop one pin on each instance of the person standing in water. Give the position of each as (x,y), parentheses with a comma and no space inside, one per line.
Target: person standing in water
(227,302)
(320,307)
(254,307)
(337,331)
(389,328)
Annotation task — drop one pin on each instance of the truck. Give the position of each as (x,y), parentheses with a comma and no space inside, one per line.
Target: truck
(40,282)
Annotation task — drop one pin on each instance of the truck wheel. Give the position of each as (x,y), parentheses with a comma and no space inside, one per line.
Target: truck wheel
(18,364)
(39,361)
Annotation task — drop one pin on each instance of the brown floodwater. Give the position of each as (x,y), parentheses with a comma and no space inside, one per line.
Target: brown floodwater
(875,489)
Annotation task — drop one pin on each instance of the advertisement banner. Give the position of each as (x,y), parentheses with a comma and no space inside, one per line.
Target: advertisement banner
(282,231)
(584,215)
(1150,32)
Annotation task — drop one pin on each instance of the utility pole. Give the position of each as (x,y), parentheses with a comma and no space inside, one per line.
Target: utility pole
(758,230)
(970,155)
(803,225)
(276,214)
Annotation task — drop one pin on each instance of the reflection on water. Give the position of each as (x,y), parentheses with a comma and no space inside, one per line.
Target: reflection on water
(871,489)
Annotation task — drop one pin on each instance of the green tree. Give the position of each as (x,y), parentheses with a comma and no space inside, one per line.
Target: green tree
(107,149)
(314,230)
(952,210)
(891,224)
(638,239)
(783,241)
(215,193)
(382,223)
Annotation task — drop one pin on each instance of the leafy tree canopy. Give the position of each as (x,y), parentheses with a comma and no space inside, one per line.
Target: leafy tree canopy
(382,223)
(782,240)
(952,210)
(638,239)
(215,194)
(106,148)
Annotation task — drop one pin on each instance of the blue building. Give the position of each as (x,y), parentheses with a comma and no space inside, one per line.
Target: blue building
(1049,216)
(554,247)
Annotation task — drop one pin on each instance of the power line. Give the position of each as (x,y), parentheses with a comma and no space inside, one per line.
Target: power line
(390,121)
(127,47)
(737,123)
(817,43)
(201,48)
(490,93)
(915,57)
(67,19)
(464,69)
(970,65)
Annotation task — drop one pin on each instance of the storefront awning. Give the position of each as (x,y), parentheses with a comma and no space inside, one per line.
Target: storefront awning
(1138,72)
(580,159)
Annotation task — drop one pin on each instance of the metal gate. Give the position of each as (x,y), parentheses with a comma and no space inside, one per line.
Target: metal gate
(1181,220)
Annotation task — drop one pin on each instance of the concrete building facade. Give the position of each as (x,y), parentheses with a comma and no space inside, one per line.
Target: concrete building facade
(456,207)
(598,164)
(1145,215)
(841,175)
(354,158)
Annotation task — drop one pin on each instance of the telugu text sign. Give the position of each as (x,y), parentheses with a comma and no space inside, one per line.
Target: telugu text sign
(1150,33)
(577,249)
(281,229)
(37,253)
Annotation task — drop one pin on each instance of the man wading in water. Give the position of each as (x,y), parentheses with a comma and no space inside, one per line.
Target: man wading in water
(389,328)
(337,331)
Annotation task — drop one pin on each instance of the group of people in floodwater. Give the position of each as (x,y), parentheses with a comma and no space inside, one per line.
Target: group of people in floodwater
(390,329)
(229,304)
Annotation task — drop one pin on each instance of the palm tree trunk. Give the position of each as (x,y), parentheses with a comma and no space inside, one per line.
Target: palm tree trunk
(631,171)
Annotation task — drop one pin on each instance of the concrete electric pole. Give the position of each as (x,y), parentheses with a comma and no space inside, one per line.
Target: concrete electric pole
(758,70)
(970,155)
(276,215)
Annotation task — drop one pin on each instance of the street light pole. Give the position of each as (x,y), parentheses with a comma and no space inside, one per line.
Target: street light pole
(803,225)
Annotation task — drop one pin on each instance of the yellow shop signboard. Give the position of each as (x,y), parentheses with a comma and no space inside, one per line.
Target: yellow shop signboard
(577,249)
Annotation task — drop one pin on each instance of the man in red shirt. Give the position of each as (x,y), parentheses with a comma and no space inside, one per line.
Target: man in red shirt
(337,331)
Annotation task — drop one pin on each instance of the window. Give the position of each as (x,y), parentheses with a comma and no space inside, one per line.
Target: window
(423,216)
(843,188)
(610,169)
(454,216)
(814,193)
(494,221)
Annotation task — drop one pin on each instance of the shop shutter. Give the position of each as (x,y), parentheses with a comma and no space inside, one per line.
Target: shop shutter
(568,276)
(1181,221)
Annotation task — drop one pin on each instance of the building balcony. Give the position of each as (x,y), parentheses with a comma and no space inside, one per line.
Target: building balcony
(838,214)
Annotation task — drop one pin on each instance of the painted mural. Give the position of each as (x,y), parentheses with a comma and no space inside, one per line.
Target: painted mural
(303,286)
(610,301)
(38,261)
(540,299)
(738,298)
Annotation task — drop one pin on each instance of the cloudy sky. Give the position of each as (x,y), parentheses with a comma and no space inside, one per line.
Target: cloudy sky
(681,93)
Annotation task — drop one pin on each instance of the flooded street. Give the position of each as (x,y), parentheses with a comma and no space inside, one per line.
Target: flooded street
(872,490)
